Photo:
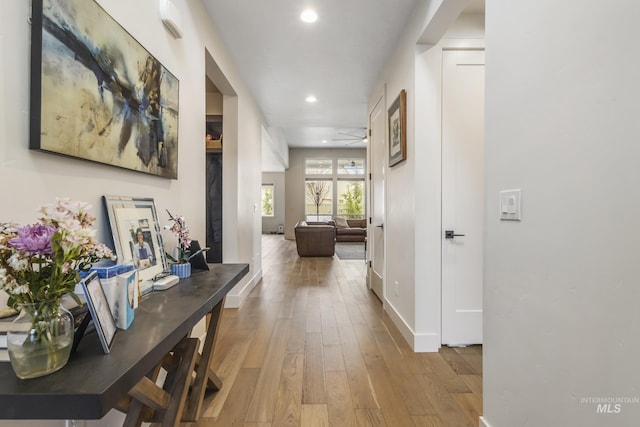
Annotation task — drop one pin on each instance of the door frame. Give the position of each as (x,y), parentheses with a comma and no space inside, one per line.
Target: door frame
(381,99)
(444,48)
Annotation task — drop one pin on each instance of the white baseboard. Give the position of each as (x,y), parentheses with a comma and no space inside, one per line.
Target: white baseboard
(235,299)
(397,319)
(483,422)
(427,343)
(422,343)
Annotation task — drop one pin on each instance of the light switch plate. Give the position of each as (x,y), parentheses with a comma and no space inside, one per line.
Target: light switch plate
(510,205)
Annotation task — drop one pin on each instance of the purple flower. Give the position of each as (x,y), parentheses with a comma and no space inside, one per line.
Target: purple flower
(35,239)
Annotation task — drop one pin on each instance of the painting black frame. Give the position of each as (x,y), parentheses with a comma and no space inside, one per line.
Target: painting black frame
(97,94)
(398,129)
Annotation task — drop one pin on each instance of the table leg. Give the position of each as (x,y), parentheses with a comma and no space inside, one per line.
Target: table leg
(178,383)
(204,374)
(164,405)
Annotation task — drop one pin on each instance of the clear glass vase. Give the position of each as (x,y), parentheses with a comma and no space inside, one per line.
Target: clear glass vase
(40,339)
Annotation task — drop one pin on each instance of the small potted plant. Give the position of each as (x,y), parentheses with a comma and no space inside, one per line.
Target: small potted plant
(181,266)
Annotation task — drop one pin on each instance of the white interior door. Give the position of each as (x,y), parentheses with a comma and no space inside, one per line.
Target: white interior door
(462,195)
(375,237)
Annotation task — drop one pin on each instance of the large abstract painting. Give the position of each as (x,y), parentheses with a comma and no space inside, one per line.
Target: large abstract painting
(97,94)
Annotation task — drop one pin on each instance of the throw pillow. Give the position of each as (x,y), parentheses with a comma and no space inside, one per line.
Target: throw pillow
(341,222)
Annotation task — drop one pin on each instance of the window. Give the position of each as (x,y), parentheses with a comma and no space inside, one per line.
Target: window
(318,200)
(334,186)
(350,166)
(319,167)
(351,198)
(267,199)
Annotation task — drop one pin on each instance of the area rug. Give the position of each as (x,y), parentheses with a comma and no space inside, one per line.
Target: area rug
(350,250)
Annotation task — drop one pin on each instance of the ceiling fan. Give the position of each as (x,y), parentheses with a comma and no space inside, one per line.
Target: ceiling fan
(351,137)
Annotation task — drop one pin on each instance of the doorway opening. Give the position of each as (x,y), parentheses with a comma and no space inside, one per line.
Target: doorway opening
(220,136)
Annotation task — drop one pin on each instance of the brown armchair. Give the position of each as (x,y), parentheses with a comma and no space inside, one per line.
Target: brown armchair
(315,240)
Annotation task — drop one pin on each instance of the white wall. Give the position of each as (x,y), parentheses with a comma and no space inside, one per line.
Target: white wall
(399,221)
(270,223)
(275,151)
(562,286)
(294,180)
(412,205)
(32,178)
(243,243)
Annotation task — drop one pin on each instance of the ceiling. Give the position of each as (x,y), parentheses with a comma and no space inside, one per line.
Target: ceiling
(337,59)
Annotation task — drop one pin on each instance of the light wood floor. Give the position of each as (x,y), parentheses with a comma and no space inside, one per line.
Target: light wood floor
(311,346)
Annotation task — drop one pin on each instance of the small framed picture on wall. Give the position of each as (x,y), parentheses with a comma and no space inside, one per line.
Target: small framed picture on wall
(398,129)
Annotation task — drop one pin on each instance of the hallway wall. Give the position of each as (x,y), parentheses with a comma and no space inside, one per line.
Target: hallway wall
(561,286)
(413,187)
(32,178)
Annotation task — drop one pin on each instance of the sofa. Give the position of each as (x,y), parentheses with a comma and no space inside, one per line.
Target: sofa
(315,239)
(350,230)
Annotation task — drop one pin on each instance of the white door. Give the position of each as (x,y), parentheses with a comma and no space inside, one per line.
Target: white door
(462,195)
(375,237)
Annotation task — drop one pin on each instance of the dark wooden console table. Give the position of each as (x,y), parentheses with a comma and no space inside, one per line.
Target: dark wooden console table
(92,383)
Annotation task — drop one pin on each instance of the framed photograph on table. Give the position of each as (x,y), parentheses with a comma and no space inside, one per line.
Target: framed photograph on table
(100,311)
(398,129)
(136,234)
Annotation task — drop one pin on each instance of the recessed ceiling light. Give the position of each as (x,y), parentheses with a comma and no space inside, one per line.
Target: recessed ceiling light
(309,16)
(311,99)
(324,141)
